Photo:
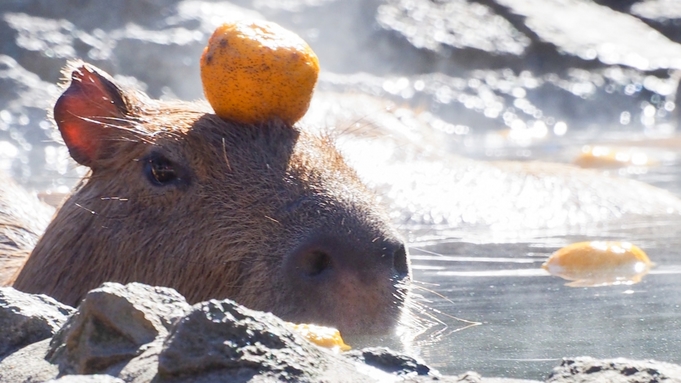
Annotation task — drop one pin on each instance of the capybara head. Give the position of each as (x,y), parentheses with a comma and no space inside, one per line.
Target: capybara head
(268,215)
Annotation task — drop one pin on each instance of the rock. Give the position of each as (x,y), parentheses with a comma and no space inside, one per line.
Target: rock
(225,340)
(144,367)
(139,333)
(663,15)
(28,365)
(571,68)
(222,335)
(468,377)
(507,380)
(587,370)
(657,9)
(86,379)
(113,324)
(391,361)
(576,27)
(28,318)
(454,23)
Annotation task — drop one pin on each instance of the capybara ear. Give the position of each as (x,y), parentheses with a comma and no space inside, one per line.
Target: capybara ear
(88,112)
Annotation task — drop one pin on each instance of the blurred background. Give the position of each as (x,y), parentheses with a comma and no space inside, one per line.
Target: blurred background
(496,130)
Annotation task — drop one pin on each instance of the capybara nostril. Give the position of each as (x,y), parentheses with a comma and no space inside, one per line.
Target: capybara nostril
(315,262)
(401,261)
(355,283)
(326,258)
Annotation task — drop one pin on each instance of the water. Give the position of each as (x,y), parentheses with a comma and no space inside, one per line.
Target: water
(430,132)
(530,319)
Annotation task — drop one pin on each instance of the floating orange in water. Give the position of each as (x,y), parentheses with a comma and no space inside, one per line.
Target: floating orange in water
(322,336)
(599,263)
(256,71)
(598,156)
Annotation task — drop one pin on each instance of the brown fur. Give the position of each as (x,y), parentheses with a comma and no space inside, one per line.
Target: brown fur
(248,201)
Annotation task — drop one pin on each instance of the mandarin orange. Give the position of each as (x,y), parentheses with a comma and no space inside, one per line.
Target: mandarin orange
(256,71)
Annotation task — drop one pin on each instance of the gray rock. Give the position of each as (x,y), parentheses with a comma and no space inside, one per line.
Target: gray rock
(113,324)
(225,340)
(576,27)
(27,318)
(620,370)
(468,377)
(391,361)
(657,9)
(28,365)
(455,23)
(220,334)
(579,59)
(663,15)
(86,379)
(144,367)
(140,334)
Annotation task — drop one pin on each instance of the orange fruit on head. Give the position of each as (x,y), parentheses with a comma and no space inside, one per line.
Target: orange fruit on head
(257,71)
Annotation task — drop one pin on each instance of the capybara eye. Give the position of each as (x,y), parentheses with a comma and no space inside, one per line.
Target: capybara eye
(160,170)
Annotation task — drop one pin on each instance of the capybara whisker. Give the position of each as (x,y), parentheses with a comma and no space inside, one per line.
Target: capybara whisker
(421,317)
(429,252)
(114,199)
(86,209)
(224,154)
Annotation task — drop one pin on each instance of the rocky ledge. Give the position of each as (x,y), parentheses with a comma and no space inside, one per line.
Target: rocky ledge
(138,333)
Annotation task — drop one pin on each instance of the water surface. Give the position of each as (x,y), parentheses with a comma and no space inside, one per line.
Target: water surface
(530,319)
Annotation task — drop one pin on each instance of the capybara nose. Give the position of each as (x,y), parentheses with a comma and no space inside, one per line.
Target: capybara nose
(356,283)
(326,260)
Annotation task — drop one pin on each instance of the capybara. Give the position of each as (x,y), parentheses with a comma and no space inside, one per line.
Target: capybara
(269,215)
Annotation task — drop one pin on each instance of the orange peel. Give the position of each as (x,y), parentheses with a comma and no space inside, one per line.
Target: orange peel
(598,156)
(257,71)
(322,336)
(599,263)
